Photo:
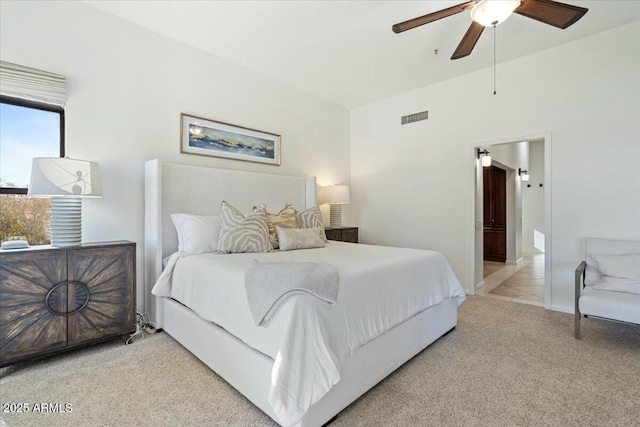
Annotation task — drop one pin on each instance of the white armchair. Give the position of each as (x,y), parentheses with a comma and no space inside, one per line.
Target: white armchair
(607,282)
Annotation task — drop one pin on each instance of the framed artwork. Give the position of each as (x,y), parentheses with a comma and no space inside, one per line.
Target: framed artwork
(206,137)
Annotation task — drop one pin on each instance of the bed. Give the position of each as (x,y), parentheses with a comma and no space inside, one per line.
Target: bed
(250,357)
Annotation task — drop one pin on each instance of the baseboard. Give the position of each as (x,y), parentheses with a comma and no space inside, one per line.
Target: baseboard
(562,309)
(517,262)
(479,285)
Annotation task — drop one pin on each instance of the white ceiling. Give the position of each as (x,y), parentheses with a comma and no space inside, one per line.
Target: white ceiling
(345,51)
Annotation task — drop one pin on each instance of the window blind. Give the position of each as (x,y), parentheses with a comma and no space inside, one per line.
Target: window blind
(28,83)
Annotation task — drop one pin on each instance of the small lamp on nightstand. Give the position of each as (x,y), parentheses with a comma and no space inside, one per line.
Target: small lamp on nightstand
(66,181)
(336,196)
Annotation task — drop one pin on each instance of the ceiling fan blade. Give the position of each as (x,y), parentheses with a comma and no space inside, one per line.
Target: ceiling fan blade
(550,12)
(469,41)
(416,22)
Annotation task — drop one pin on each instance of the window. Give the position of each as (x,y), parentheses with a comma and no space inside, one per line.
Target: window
(27,129)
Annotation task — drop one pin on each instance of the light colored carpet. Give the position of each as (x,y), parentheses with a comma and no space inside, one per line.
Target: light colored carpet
(506,364)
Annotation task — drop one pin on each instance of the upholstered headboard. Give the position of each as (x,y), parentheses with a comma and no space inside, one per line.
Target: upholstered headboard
(176,188)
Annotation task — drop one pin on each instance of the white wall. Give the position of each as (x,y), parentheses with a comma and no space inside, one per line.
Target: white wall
(533,197)
(511,157)
(126,89)
(413,185)
(511,154)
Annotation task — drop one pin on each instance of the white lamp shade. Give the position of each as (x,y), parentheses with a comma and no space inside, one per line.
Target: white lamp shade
(525,176)
(336,195)
(485,160)
(493,12)
(57,176)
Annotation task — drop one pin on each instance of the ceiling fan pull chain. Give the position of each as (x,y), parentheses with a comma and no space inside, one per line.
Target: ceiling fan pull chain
(494,59)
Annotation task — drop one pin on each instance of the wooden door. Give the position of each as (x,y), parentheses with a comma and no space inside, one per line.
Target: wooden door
(495,214)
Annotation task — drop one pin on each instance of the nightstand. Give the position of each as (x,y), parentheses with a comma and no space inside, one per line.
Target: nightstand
(55,299)
(342,234)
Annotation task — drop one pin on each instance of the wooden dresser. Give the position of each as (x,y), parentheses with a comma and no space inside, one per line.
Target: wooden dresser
(342,234)
(56,299)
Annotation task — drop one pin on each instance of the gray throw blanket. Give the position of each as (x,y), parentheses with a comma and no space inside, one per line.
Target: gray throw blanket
(268,284)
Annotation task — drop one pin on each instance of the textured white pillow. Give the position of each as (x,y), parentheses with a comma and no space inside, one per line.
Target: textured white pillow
(621,266)
(299,238)
(241,233)
(196,233)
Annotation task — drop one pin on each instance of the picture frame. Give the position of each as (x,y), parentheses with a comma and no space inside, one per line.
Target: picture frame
(206,137)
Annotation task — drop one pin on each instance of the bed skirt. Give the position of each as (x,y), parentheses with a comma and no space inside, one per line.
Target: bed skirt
(249,371)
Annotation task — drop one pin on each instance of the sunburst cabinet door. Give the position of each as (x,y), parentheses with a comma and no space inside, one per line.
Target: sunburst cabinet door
(27,279)
(103,281)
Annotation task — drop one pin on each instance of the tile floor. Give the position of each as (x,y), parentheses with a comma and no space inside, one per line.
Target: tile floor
(523,283)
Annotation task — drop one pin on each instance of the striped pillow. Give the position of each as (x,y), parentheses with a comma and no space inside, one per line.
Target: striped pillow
(312,218)
(243,233)
(286,218)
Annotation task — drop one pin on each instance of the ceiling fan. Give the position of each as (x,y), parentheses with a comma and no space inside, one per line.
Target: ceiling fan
(489,13)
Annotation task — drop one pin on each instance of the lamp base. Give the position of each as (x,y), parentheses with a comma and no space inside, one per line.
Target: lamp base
(66,221)
(335,216)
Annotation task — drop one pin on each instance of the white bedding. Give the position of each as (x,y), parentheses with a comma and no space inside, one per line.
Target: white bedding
(380,287)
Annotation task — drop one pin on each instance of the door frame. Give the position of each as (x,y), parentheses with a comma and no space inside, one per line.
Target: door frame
(472,232)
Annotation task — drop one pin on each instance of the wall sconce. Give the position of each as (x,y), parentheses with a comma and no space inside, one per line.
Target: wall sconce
(524,174)
(484,156)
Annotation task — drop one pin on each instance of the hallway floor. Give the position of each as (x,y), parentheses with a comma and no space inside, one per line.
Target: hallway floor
(523,283)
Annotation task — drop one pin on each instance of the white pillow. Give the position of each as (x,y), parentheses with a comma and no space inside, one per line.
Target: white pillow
(618,285)
(299,238)
(592,275)
(196,233)
(621,266)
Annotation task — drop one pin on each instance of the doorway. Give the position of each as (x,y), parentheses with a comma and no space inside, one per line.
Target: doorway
(520,269)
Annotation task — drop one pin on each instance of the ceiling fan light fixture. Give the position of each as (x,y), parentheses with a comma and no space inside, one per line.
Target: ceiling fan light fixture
(490,13)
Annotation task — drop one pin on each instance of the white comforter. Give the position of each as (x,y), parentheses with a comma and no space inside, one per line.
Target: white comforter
(380,287)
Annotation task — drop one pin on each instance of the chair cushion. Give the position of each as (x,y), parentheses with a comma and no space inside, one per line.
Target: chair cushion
(620,306)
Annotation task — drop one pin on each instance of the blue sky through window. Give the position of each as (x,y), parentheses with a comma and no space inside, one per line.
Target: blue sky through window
(25,133)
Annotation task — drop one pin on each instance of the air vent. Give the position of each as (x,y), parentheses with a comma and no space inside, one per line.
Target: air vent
(423,115)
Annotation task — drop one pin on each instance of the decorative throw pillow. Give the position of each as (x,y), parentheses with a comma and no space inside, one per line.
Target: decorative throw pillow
(243,233)
(312,218)
(618,284)
(196,233)
(285,218)
(299,238)
(622,266)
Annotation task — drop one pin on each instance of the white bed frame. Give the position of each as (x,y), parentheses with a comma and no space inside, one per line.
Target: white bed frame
(172,188)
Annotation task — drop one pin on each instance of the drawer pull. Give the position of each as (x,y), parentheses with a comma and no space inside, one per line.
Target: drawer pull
(81,298)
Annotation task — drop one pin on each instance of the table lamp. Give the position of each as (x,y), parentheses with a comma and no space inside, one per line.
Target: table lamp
(336,196)
(66,181)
